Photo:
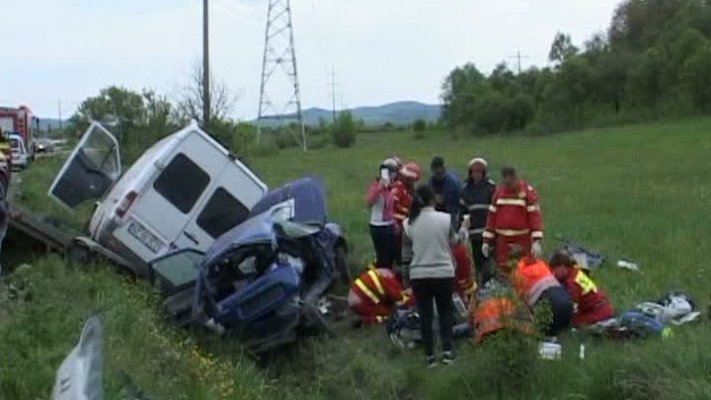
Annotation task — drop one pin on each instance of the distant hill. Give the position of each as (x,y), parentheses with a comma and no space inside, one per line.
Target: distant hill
(402,112)
(399,113)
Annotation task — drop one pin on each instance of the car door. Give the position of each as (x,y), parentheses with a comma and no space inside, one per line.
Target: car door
(92,167)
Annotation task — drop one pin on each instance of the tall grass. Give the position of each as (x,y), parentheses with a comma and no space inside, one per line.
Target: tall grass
(638,191)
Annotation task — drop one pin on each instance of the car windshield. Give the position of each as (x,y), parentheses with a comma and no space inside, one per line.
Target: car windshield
(15,144)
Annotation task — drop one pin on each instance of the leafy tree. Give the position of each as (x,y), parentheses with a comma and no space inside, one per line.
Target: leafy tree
(561,49)
(461,92)
(609,78)
(696,76)
(120,109)
(344,130)
(647,78)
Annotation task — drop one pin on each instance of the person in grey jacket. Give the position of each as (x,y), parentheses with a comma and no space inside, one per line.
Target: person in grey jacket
(432,269)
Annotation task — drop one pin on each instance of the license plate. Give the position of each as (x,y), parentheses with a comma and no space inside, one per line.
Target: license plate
(145,237)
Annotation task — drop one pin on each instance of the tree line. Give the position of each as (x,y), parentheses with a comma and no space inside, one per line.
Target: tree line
(654,61)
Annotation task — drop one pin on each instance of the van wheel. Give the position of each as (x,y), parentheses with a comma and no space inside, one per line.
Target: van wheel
(78,254)
(344,273)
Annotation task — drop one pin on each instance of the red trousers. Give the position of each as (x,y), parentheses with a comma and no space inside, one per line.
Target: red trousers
(502,248)
(463,272)
(371,313)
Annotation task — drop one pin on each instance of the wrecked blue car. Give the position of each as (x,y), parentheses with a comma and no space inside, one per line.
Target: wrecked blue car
(264,281)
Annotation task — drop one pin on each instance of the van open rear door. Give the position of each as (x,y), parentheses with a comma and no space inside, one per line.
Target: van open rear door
(93,166)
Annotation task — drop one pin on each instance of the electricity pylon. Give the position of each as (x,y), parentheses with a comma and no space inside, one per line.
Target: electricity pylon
(279,62)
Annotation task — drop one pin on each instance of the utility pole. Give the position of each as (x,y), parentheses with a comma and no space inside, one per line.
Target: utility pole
(518,58)
(59,112)
(205,64)
(333,94)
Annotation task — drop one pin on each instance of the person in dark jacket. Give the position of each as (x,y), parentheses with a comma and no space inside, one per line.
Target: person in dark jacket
(447,189)
(477,192)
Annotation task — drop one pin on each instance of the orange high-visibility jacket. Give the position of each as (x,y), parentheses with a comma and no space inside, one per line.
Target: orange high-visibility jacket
(496,313)
(531,278)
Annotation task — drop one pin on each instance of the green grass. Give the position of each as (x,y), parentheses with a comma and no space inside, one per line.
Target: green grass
(639,191)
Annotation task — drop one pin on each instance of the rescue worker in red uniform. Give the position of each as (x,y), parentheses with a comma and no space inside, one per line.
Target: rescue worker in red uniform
(535,283)
(376,293)
(590,303)
(514,219)
(403,190)
(464,284)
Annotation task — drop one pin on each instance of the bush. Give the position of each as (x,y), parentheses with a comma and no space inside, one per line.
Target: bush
(344,131)
(419,125)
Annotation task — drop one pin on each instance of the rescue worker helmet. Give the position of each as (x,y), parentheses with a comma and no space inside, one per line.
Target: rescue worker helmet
(411,171)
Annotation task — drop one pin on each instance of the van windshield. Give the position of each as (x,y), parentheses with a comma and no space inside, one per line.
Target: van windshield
(14,143)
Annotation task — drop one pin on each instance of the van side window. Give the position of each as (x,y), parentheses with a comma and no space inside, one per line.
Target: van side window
(221,213)
(182,182)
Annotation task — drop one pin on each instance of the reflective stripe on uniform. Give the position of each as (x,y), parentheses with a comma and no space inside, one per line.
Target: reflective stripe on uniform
(476,231)
(367,291)
(404,300)
(376,280)
(537,234)
(473,207)
(511,202)
(492,209)
(488,234)
(532,208)
(380,318)
(512,232)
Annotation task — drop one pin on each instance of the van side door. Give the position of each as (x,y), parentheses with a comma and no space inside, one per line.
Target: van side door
(234,194)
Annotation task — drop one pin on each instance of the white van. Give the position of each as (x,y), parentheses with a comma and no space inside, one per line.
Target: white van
(183,192)
(20,156)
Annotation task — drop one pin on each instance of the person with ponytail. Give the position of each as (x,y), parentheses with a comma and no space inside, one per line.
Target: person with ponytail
(432,268)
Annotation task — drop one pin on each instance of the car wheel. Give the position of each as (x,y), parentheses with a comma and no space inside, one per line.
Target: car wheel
(344,273)
(78,254)
(316,319)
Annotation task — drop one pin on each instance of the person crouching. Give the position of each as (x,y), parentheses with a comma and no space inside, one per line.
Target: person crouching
(536,285)
(590,304)
(376,293)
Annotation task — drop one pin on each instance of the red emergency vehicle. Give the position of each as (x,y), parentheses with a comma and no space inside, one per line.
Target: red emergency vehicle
(19,120)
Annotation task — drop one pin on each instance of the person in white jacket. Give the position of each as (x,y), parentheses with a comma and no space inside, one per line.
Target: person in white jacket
(432,269)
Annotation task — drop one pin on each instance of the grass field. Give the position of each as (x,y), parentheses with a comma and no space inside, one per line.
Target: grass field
(639,192)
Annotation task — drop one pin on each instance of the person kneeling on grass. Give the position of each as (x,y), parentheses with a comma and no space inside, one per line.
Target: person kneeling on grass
(590,304)
(375,294)
(535,284)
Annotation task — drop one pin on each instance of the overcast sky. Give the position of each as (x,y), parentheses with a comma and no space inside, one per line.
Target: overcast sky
(381,50)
